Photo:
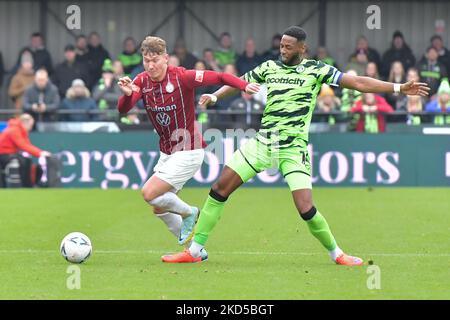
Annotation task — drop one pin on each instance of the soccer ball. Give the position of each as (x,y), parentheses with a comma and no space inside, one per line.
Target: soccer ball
(76,247)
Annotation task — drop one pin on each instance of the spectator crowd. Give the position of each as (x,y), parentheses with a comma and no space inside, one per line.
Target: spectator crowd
(83,87)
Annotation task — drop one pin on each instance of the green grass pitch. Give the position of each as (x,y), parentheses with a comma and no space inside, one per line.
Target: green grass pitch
(260,249)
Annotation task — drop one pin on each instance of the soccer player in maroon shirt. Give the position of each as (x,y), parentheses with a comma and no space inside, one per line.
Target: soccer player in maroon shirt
(168,94)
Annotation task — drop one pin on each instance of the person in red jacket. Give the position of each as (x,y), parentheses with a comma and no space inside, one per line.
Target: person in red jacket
(14,139)
(370,110)
(168,94)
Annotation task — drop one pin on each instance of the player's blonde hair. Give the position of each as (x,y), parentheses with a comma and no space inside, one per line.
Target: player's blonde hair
(153,45)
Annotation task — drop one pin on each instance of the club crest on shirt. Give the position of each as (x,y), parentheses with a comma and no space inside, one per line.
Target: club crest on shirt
(170,87)
(163,119)
(300,69)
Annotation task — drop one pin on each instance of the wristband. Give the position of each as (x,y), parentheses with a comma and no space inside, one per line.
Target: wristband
(396,87)
(213,97)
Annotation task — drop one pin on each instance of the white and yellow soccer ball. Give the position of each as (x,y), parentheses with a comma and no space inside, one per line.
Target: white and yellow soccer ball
(76,247)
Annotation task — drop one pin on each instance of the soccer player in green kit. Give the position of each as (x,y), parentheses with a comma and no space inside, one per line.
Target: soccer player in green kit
(293,84)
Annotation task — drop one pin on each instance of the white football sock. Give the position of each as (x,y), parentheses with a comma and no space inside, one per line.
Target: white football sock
(195,248)
(172,221)
(335,253)
(169,201)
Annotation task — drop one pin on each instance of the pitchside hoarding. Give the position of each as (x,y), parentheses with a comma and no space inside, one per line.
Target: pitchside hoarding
(126,160)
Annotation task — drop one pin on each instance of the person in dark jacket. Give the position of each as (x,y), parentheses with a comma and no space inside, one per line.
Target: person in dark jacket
(130,57)
(249,59)
(42,98)
(41,57)
(399,51)
(78,100)
(443,52)
(431,70)
(97,55)
(273,53)
(69,70)
(362,45)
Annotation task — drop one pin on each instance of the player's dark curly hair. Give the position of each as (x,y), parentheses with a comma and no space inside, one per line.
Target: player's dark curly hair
(296,32)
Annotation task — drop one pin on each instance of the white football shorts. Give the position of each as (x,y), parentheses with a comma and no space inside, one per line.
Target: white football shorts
(177,168)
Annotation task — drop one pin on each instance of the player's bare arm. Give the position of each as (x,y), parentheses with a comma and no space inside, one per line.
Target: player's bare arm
(367,84)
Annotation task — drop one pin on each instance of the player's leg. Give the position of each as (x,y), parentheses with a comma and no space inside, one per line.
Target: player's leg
(158,193)
(243,166)
(171,173)
(296,169)
(172,221)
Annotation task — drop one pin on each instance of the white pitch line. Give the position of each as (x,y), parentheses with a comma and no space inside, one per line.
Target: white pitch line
(241,253)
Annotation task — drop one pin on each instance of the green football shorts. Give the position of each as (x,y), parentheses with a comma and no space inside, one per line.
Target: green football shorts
(254,157)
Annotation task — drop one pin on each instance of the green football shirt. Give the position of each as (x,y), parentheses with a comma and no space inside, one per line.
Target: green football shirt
(291,98)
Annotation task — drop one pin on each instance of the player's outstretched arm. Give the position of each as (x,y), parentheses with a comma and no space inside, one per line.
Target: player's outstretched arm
(367,84)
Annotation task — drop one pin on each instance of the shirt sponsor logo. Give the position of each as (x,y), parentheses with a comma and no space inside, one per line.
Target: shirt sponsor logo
(163,119)
(162,108)
(286,81)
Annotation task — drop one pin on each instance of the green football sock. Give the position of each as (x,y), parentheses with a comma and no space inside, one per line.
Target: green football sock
(209,215)
(319,228)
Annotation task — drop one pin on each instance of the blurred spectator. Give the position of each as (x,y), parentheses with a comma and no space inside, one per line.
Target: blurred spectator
(441,104)
(431,70)
(136,71)
(187,59)
(370,111)
(173,61)
(78,100)
(399,51)
(443,52)
(225,53)
(21,80)
(131,118)
(210,61)
(118,69)
(372,70)
(249,59)
(413,74)
(42,98)
(69,70)
(396,75)
(273,53)
(107,92)
(364,54)
(96,55)
(251,108)
(412,105)
(81,49)
(327,102)
(130,56)
(358,62)
(322,55)
(41,56)
(349,96)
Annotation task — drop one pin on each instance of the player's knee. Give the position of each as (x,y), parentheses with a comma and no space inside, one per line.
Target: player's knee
(308,213)
(148,194)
